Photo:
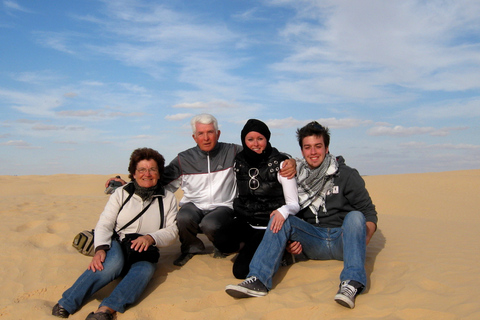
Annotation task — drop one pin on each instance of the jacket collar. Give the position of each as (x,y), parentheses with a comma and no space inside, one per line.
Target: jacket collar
(212,152)
(130,188)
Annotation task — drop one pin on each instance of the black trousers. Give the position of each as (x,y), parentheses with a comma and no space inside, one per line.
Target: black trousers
(216,224)
(251,238)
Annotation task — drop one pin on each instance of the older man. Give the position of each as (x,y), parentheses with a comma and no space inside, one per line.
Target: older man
(205,174)
(339,219)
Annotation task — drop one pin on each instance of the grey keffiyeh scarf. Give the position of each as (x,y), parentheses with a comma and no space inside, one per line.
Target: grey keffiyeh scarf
(313,184)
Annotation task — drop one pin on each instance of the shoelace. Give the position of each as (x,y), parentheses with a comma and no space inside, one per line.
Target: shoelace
(348,290)
(250,280)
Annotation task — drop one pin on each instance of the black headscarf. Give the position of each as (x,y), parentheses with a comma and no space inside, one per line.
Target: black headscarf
(251,156)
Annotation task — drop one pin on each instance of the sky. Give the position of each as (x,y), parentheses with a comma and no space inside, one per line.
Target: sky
(84,83)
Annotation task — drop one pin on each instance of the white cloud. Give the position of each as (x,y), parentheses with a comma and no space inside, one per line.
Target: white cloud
(76,128)
(193,105)
(18,144)
(13,5)
(440,146)
(35,77)
(409,131)
(156,23)
(332,123)
(179,116)
(283,123)
(448,109)
(93,83)
(96,114)
(142,137)
(218,104)
(78,113)
(360,49)
(251,14)
(60,41)
(32,103)
(134,88)
(44,127)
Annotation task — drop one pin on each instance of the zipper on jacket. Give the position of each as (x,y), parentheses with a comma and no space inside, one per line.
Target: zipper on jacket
(210,182)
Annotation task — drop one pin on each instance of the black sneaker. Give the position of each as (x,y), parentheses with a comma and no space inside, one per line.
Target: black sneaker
(183,259)
(348,291)
(217,254)
(59,311)
(251,287)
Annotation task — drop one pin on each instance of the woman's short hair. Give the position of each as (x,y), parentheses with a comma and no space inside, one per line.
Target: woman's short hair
(203,118)
(313,129)
(145,154)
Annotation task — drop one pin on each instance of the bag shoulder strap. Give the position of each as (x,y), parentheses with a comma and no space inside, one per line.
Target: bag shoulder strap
(130,195)
(136,217)
(160,205)
(162,213)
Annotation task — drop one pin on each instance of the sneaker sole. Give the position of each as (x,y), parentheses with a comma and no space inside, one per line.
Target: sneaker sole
(242,292)
(344,301)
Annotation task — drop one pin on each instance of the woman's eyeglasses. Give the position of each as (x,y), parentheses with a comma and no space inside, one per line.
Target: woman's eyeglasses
(253,183)
(145,170)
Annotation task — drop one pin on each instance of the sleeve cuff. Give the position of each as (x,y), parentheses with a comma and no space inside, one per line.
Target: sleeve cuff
(102,247)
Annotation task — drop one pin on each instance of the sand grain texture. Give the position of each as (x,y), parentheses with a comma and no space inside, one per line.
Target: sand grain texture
(423,262)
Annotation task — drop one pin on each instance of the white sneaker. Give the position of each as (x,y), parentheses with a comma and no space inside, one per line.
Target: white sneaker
(347,293)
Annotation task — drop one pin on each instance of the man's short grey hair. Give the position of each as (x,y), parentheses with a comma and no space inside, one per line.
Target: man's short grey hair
(203,118)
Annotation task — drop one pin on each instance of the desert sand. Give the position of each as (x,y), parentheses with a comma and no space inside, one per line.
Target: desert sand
(422,263)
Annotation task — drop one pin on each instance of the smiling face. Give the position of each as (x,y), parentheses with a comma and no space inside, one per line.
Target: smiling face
(314,150)
(256,141)
(147,174)
(206,136)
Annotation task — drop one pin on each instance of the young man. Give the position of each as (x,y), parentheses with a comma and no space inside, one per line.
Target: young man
(339,220)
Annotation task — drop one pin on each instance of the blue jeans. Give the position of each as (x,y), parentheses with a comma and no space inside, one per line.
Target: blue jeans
(347,243)
(125,293)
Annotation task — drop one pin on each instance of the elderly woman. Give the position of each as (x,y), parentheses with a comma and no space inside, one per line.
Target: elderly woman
(263,194)
(153,227)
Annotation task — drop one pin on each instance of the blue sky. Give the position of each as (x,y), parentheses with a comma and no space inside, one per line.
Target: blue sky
(83,83)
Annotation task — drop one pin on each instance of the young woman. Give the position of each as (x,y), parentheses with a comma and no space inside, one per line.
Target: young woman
(263,194)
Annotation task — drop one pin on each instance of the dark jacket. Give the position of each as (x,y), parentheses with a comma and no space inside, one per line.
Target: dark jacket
(256,205)
(348,194)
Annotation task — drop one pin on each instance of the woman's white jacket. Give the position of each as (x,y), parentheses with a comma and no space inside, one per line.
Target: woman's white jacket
(149,223)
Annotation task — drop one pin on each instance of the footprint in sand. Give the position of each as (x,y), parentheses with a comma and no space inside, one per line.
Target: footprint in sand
(391,281)
(45,240)
(58,227)
(32,294)
(433,286)
(29,225)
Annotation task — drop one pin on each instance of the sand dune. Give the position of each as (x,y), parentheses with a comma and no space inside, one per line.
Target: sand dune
(423,262)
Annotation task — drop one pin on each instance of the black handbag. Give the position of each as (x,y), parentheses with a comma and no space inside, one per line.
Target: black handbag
(131,256)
